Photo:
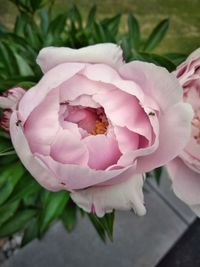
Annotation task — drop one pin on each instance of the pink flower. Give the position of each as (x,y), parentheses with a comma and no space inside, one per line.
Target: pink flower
(185,169)
(93,125)
(9,101)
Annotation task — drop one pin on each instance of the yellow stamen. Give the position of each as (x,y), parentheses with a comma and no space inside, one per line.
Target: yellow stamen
(100,127)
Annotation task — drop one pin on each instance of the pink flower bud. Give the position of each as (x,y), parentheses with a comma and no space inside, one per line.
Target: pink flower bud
(11,98)
(9,102)
(5,119)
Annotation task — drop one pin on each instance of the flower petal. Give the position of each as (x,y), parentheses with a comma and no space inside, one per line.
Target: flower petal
(175,128)
(156,82)
(103,151)
(79,177)
(107,53)
(69,149)
(185,182)
(124,196)
(37,169)
(126,139)
(42,124)
(49,81)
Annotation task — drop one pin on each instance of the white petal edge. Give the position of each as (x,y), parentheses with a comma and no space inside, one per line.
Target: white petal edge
(106,53)
(123,196)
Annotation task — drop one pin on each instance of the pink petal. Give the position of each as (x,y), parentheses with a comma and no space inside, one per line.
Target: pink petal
(103,151)
(49,81)
(37,169)
(175,128)
(68,149)
(155,81)
(124,196)
(124,110)
(108,76)
(79,177)
(127,140)
(107,53)
(42,124)
(185,182)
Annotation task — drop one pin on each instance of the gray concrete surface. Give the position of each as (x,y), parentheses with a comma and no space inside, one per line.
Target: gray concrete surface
(138,241)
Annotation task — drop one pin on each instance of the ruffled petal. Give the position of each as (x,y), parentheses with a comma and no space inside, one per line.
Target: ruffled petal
(49,81)
(124,196)
(175,129)
(156,82)
(124,110)
(106,53)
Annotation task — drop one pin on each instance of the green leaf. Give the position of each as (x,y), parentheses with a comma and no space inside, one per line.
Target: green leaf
(133,32)
(103,225)
(9,177)
(75,16)
(17,222)
(157,35)
(31,33)
(176,58)
(8,211)
(112,24)
(69,217)
(101,34)
(8,59)
(57,26)
(25,187)
(53,207)
(98,226)
(156,59)
(24,68)
(91,17)
(108,221)
(157,174)
(44,20)
(31,232)
(125,45)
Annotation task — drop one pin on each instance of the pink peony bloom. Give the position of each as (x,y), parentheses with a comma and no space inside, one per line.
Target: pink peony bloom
(9,101)
(93,125)
(185,169)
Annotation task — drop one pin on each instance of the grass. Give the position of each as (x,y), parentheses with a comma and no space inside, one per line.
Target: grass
(183,35)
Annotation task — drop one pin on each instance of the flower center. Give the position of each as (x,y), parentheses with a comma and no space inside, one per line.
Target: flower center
(196,126)
(100,126)
(92,120)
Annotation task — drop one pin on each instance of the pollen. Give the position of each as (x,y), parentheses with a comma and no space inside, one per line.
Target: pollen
(101,126)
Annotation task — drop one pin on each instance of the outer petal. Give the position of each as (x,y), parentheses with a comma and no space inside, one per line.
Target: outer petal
(76,177)
(38,170)
(185,182)
(49,81)
(175,128)
(107,53)
(124,196)
(156,81)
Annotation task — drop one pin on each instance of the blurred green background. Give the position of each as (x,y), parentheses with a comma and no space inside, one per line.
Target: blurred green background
(184,32)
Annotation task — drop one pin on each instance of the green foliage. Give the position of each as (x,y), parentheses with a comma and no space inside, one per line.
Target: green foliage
(103,226)
(24,205)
